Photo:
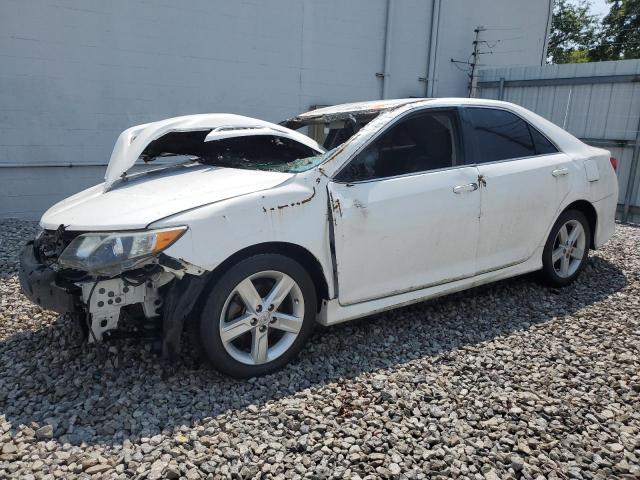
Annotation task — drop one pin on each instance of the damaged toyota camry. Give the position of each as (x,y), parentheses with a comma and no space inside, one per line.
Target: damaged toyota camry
(250,232)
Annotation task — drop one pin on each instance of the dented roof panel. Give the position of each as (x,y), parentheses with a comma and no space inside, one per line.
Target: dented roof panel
(358,107)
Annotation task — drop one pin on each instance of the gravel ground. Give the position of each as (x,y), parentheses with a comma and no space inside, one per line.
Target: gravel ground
(507,381)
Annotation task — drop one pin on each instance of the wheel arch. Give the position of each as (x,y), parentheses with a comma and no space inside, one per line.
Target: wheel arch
(291,250)
(589,211)
(189,306)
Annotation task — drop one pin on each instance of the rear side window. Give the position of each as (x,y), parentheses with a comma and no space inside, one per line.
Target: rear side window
(543,146)
(417,144)
(499,135)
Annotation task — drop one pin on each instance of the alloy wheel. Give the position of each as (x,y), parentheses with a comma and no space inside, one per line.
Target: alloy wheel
(568,249)
(262,317)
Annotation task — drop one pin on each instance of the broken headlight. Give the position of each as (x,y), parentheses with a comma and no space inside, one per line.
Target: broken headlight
(114,252)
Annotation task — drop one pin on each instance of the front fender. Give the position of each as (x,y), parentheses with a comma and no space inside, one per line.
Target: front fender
(295,212)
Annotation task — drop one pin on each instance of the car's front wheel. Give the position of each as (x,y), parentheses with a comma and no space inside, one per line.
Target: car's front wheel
(258,315)
(567,249)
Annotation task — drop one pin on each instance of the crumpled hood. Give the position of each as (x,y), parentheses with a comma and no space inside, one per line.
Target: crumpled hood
(144,199)
(132,142)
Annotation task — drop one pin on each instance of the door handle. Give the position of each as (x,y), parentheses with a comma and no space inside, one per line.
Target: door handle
(560,172)
(469,187)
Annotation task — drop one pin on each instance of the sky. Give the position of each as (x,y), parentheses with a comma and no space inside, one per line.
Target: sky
(599,7)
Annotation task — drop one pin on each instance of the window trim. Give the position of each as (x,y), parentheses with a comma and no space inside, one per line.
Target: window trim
(460,144)
(471,138)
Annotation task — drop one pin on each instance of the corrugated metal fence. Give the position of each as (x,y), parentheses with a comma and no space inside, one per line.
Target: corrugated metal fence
(597,102)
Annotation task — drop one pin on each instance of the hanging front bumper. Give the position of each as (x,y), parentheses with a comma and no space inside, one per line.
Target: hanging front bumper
(40,284)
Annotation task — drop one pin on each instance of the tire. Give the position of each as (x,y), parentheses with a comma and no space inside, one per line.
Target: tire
(562,263)
(229,311)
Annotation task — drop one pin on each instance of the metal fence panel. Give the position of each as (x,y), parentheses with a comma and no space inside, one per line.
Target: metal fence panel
(597,102)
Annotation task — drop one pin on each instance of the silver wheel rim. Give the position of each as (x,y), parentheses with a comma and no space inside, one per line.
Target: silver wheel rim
(262,317)
(568,249)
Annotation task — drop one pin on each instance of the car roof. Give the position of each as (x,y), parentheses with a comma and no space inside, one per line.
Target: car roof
(372,108)
(359,107)
(564,140)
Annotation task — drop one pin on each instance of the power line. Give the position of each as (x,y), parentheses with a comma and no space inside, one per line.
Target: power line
(455,64)
(501,28)
(503,39)
(500,52)
(488,45)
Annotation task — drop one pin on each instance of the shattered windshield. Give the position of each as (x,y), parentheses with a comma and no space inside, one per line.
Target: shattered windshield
(305,164)
(260,152)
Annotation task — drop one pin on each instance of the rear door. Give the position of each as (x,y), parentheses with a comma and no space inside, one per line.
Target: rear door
(524,179)
(405,210)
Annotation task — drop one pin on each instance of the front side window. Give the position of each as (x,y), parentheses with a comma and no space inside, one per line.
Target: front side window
(501,135)
(420,143)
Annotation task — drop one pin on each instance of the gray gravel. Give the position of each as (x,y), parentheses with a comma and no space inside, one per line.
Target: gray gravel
(507,381)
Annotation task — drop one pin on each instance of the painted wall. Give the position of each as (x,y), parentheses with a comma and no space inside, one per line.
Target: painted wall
(514,34)
(75,73)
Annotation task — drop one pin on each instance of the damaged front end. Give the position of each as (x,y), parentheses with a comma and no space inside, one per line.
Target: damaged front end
(104,264)
(101,277)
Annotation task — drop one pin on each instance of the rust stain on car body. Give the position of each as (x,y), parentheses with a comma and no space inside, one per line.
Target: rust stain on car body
(337,206)
(482,181)
(293,204)
(312,195)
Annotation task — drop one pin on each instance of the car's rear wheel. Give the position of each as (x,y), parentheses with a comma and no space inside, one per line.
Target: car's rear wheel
(567,249)
(258,315)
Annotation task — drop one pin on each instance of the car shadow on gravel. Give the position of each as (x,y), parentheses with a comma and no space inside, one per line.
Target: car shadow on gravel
(46,378)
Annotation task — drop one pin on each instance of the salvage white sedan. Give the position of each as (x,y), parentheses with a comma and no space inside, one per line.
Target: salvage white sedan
(250,232)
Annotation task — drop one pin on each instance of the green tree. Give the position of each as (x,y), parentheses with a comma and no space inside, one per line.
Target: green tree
(620,39)
(573,32)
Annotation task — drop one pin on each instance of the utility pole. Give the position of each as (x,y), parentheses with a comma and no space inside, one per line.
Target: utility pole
(473,84)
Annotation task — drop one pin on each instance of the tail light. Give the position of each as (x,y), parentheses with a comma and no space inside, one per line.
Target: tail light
(614,163)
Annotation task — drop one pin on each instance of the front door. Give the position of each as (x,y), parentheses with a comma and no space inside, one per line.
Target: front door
(405,211)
